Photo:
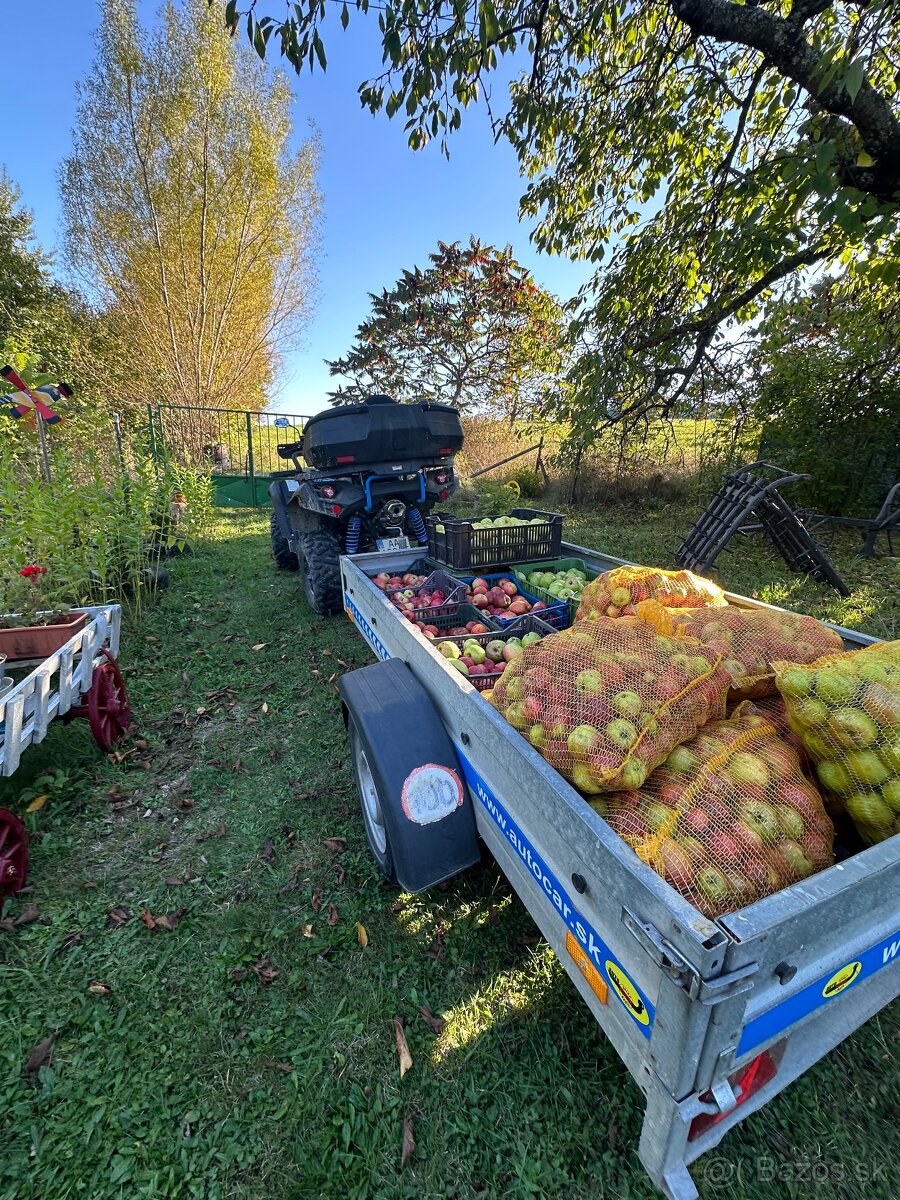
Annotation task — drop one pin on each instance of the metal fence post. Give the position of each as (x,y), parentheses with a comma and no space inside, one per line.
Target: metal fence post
(250,465)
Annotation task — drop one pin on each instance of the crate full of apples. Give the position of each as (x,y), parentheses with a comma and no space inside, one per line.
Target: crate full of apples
(483,658)
(501,597)
(435,595)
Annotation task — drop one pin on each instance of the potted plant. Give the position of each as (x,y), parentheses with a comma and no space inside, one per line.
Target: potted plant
(31,624)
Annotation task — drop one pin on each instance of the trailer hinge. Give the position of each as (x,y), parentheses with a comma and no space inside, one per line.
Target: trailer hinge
(707,991)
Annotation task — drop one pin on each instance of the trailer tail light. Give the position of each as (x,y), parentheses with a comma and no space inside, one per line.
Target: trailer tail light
(328,492)
(443,495)
(746,1082)
(336,509)
(345,458)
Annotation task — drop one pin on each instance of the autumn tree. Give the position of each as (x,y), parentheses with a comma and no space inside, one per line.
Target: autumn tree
(700,151)
(188,217)
(472,329)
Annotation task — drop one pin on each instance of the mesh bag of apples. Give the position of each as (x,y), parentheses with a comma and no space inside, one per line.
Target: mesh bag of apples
(845,709)
(774,709)
(607,700)
(728,818)
(749,640)
(618,592)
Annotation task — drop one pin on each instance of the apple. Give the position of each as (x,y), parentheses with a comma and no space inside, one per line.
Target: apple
(584,779)
(795,859)
(748,838)
(659,816)
(621,733)
(724,848)
(467,660)
(796,682)
(817,848)
(883,705)
(867,767)
(480,600)
(835,686)
(713,885)
(890,793)
(790,821)
(515,688)
(761,818)
(620,596)
(512,649)
(460,665)
(869,808)
(851,728)
(677,865)
(583,741)
(627,704)
(590,682)
(745,767)
(515,716)
(628,825)
(479,583)
(530,639)
(475,651)
(479,627)
(683,761)
(508,586)
(448,649)
(744,889)
(633,774)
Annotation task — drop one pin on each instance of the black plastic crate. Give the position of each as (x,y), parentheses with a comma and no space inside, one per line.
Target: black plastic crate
(457,544)
(528,623)
(461,615)
(556,612)
(454,594)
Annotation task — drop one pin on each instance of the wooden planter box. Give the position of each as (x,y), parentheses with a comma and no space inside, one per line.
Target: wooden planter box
(40,641)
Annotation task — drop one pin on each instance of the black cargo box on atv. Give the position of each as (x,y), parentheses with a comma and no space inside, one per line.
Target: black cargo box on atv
(380,430)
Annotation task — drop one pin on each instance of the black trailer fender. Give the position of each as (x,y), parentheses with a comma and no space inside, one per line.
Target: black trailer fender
(417,812)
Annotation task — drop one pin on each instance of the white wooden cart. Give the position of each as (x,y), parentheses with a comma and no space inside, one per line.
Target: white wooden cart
(80,679)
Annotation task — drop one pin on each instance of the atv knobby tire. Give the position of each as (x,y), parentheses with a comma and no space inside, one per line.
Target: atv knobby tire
(285,558)
(320,553)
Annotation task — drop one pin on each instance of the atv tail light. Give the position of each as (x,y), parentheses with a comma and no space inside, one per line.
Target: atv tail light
(441,477)
(447,451)
(345,458)
(328,492)
(443,495)
(746,1082)
(336,509)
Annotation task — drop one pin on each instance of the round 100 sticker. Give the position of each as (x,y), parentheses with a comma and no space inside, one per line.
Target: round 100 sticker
(431,793)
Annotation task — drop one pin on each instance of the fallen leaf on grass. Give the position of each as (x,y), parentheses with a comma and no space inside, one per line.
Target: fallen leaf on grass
(317,899)
(264,971)
(308,931)
(221,832)
(37,804)
(340,872)
(236,766)
(409,1142)
(402,1048)
(238,974)
(280,1066)
(437,1025)
(267,850)
(333,917)
(494,916)
(173,881)
(117,917)
(29,915)
(259,646)
(96,988)
(147,918)
(88,884)
(361,936)
(337,844)
(41,1055)
(167,921)
(265,707)
(70,940)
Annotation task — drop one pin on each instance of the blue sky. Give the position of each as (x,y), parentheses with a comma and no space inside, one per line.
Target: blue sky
(385,207)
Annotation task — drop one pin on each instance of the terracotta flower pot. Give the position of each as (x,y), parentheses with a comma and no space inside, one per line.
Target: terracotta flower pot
(39,641)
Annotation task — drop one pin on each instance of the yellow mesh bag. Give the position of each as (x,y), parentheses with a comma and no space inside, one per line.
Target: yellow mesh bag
(617,592)
(728,818)
(845,709)
(774,709)
(749,639)
(606,700)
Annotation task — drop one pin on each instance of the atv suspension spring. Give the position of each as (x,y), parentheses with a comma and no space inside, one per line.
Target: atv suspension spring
(417,522)
(354,526)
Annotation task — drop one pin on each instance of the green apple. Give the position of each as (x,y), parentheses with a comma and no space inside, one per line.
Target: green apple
(627,704)
(795,682)
(448,649)
(744,767)
(621,733)
(852,729)
(797,862)
(584,780)
(868,808)
(835,686)
(833,776)
(529,639)
(633,774)
(761,818)
(890,793)
(589,682)
(867,767)
(537,735)
(713,884)
(790,821)
(583,740)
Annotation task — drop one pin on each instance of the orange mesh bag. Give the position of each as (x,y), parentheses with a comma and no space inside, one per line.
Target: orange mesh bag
(774,709)
(749,640)
(727,819)
(617,592)
(845,709)
(606,700)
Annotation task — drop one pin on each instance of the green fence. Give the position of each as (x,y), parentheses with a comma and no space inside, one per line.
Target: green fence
(237,447)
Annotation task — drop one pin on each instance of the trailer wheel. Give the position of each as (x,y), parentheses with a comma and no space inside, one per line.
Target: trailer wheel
(320,553)
(13,853)
(371,804)
(285,558)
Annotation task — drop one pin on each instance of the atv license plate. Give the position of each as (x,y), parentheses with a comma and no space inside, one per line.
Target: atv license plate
(395,543)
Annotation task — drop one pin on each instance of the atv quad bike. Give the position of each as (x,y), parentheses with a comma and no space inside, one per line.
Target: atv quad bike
(375,469)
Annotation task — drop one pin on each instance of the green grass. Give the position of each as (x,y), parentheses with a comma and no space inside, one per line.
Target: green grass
(190,1077)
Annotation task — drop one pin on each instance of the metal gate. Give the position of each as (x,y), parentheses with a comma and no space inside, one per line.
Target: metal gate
(237,447)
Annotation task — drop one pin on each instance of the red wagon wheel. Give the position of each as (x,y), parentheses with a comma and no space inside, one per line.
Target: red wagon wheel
(13,853)
(108,710)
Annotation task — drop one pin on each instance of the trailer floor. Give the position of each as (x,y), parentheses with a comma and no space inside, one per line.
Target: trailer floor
(250,1050)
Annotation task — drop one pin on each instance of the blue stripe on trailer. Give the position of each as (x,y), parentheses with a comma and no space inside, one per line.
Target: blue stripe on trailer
(365,628)
(817,994)
(631,997)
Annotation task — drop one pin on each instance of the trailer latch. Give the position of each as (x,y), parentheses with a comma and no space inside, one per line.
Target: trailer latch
(664,954)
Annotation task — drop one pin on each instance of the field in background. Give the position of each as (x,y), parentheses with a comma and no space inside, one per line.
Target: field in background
(248,1052)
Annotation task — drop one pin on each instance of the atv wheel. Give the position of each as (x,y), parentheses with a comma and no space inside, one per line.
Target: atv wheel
(320,552)
(285,558)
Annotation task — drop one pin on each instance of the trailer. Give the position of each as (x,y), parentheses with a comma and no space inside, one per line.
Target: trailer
(80,679)
(712,1018)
